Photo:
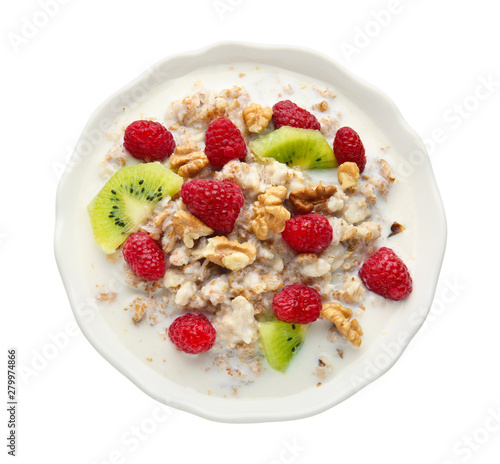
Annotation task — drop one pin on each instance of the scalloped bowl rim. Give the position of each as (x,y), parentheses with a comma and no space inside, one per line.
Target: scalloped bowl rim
(246,410)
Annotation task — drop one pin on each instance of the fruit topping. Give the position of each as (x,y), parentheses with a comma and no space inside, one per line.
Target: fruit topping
(297,304)
(216,203)
(127,199)
(148,141)
(224,142)
(287,113)
(192,333)
(144,256)
(308,233)
(347,146)
(281,342)
(303,148)
(387,275)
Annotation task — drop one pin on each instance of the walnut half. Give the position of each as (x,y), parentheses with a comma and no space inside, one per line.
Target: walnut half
(348,175)
(187,161)
(229,254)
(189,228)
(257,118)
(340,316)
(304,199)
(269,212)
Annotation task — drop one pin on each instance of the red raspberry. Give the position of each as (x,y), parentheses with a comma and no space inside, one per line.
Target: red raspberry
(144,256)
(217,203)
(192,333)
(308,233)
(287,113)
(297,304)
(224,142)
(347,146)
(148,141)
(385,274)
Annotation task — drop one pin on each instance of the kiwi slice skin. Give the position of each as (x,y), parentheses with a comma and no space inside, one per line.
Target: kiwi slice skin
(303,148)
(281,341)
(127,199)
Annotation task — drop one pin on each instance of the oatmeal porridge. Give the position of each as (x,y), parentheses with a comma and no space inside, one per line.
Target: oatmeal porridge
(232,276)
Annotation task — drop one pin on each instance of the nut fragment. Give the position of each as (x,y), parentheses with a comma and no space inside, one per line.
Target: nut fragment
(304,199)
(189,228)
(348,175)
(386,171)
(396,228)
(257,118)
(187,161)
(229,254)
(322,106)
(270,214)
(340,316)
(139,307)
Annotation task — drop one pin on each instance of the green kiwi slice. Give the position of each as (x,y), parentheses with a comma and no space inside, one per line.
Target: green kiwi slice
(281,342)
(127,199)
(304,148)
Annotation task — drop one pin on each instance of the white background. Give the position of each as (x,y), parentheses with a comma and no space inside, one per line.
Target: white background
(439,404)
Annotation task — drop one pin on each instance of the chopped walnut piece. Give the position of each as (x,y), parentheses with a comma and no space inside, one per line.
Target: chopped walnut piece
(348,175)
(139,310)
(340,316)
(386,171)
(270,214)
(189,228)
(229,254)
(187,161)
(257,118)
(396,228)
(304,199)
(322,106)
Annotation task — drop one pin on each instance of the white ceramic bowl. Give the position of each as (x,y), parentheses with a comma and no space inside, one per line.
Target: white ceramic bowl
(375,359)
